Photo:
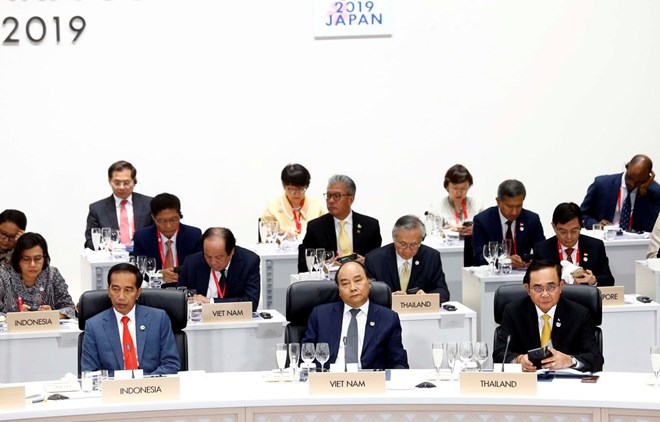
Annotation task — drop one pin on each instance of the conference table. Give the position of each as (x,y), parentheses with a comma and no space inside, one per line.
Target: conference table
(247,396)
(624,348)
(647,280)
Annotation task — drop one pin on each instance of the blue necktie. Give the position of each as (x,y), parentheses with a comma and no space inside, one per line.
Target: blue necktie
(624,221)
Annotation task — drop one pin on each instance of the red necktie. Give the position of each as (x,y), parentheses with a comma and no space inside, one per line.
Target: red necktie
(169,256)
(130,358)
(124,227)
(569,255)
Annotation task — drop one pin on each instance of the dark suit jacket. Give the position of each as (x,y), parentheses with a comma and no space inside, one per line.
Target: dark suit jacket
(601,203)
(103,213)
(156,349)
(321,234)
(592,256)
(426,271)
(381,347)
(243,276)
(188,241)
(573,332)
(488,228)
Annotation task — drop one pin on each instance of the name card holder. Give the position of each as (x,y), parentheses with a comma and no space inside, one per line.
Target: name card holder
(33,322)
(12,398)
(612,295)
(213,313)
(428,303)
(498,383)
(341,383)
(141,390)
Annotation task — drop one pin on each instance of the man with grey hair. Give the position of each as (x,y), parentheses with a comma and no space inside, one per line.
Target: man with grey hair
(342,229)
(508,220)
(405,264)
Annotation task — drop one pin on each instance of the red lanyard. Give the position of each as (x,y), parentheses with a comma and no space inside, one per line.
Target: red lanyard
(162,255)
(456,213)
(561,253)
(221,292)
(618,205)
(297,215)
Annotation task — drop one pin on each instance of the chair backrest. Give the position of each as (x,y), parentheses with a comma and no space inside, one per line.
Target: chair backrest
(468,253)
(587,296)
(173,302)
(303,296)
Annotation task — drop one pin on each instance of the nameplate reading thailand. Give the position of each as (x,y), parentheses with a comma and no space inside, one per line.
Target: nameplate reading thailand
(141,390)
(341,383)
(498,383)
(612,296)
(12,398)
(213,313)
(416,304)
(33,322)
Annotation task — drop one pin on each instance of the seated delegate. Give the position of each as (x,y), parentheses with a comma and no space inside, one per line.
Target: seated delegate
(12,226)
(457,208)
(32,282)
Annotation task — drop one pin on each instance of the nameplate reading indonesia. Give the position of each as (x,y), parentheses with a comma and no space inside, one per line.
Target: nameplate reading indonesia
(12,398)
(416,304)
(498,383)
(341,383)
(612,295)
(33,322)
(213,313)
(141,390)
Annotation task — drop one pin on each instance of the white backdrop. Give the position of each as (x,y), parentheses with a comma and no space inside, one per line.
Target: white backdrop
(210,99)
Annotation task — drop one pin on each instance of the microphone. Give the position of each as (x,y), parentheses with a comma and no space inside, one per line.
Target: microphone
(345,340)
(506,349)
(130,358)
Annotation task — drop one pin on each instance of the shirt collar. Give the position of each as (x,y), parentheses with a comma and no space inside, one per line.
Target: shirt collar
(130,315)
(118,200)
(364,308)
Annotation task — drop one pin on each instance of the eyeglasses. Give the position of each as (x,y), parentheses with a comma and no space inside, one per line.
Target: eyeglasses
(335,196)
(550,288)
(295,191)
(163,221)
(120,183)
(6,236)
(411,246)
(29,259)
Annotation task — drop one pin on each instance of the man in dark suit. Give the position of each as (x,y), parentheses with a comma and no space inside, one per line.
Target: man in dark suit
(569,325)
(169,241)
(376,343)
(633,196)
(406,264)
(507,220)
(149,344)
(223,272)
(108,212)
(342,229)
(568,245)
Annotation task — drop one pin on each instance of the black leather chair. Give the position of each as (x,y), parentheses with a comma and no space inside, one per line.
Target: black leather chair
(303,296)
(587,296)
(172,301)
(468,252)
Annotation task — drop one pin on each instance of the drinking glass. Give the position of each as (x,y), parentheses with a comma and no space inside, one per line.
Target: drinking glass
(263,231)
(105,237)
(310,258)
(132,259)
(490,259)
(150,268)
(438,349)
(465,353)
(481,353)
(308,353)
(328,260)
(655,362)
(141,262)
(294,357)
(96,238)
(273,230)
(451,350)
(504,258)
(280,355)
(322,354)
(115,238)
(320,259)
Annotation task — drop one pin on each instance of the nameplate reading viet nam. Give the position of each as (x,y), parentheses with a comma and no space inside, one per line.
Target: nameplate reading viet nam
(141,390)
(213,313)
(498,383)
(12,398)
(33,322)
(416,304)
(612,295)
(331,383)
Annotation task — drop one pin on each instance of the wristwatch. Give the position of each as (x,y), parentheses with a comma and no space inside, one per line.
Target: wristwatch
(573,362)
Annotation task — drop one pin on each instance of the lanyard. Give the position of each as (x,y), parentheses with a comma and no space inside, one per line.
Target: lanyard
(457,215)
(561,253)
(162,255)
(297,215)
(221,292)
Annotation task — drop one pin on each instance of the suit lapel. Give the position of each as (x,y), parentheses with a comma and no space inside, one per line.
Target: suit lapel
(112,332)
(330,232)
(391,268)
(142,319)
(496,224)
(370,327)
(110,210)
(357,232)
(335,327)
(533,321)
(556,333)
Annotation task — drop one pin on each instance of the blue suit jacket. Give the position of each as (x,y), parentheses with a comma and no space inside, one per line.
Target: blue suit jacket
(321,234)
(103,213)
(592,256)
(488,228)
(188,241)
(156,349)
(601,203)
(381,348)
(243,276)
(426,272)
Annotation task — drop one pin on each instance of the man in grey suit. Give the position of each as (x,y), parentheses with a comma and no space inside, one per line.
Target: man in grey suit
(123,203)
